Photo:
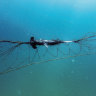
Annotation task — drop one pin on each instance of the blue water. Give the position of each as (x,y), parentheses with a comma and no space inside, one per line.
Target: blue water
(49,19)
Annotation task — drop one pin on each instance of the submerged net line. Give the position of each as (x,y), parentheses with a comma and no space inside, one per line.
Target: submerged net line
(20,42)
(14,42)
(18,68)
(80,42)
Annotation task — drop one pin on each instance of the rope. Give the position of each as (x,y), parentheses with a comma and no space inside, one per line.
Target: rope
(18,42)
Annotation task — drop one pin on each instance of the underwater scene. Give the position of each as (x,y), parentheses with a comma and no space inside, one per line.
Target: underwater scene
(47,48)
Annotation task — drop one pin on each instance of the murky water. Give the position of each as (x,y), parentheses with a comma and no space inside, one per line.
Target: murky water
(51,19)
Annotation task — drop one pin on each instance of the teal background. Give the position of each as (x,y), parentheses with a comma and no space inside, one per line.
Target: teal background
(49,19)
